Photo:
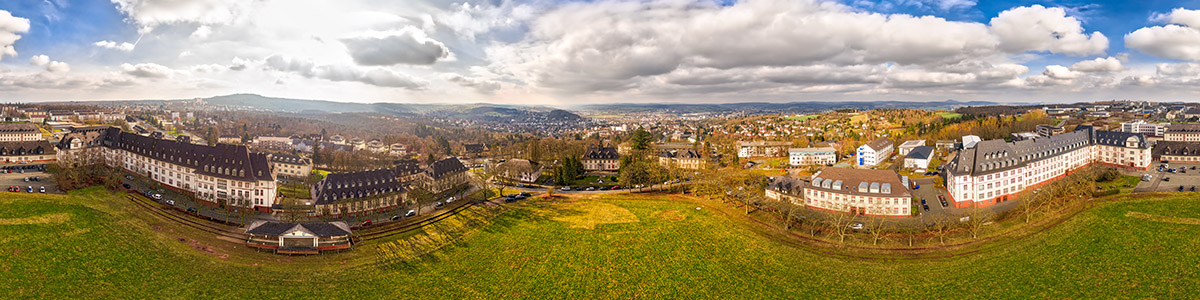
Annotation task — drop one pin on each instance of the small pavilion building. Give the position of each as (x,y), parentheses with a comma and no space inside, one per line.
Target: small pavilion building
(298,238)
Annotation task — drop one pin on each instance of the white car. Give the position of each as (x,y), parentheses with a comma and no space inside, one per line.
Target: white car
(451,199)
(157,196)
(566,188)
(856,226)
(170,202)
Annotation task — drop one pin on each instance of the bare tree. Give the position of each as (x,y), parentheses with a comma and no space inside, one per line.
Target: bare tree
(941,227)
(978,218)
(839,224)
(877,228)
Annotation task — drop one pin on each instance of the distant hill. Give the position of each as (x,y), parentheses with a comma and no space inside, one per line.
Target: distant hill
(789,107)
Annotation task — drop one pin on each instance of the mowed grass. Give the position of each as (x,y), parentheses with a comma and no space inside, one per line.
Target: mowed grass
(949,115)
(801,118)
(634,246)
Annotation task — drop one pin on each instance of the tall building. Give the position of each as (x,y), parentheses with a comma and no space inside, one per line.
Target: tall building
(994,171)
(224,173)
(875,152)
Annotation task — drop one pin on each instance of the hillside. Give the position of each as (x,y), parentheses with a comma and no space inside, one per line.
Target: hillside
(789,107)
(641,246)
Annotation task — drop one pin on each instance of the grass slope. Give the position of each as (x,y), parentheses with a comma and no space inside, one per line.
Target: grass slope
(642,246)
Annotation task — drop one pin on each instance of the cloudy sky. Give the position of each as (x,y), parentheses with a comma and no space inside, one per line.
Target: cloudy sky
(576,52)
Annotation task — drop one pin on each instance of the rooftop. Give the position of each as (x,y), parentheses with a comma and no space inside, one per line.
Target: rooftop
(865,182)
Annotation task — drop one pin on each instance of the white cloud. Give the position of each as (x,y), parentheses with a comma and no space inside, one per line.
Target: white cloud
(58,67)
(1178,69)
(152,13)
(114,45)
(1038,28)
(39,60)
(470,21)
(1106,64)
(147,70)
(642,46)
(409,45)
(202,32)
(1178,40)
(480,85)
(1061,72)
(372,76)
(10,27)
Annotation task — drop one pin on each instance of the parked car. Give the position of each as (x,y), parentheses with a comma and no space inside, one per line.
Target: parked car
(926,206)
(510,199)
(605,188)
(192,210)
(1181,188)
(128,177)
(916,186)
(410,213)
(922,201)
(525,194)
(616,187)
(566,188)
(156,196)
(438,204)
(856,226)
(396,217)
(170,202)
(1193,188)
(1166,178)
(451,199)
(591,188)
(367,223)
(126,186)
(30,189)
(945,204)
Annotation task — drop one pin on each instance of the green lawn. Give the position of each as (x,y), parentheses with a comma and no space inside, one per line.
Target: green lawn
(801,118)
(89,245)
(949,115)
(1124,182)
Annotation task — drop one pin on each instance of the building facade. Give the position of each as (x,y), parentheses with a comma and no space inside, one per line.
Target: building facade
(918,158)
(358,193)
(520,170)
(26,152)
(1182,133)
(601,159)
(907,146)
(291,165)
(812,156)
(859,192)
(683,159)
(875,152)
(995,171)
(1165,151)
(443,175)
(19,132)
(221,174)
(1140,126)
(762,149)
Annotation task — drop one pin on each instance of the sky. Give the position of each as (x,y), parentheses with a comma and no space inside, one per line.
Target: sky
(547,52)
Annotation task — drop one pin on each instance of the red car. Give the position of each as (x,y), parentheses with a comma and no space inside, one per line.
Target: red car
(366,223)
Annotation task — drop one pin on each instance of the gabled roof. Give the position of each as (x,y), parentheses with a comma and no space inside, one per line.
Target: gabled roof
(26,148)
(320,229)
(601,153)
(223,160)
(441,168)
(681,154)
(879,144)
(354,185)
(18,128)
(1176,148)
(920,152)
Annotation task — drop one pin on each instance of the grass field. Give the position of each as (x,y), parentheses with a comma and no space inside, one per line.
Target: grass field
(949,115)
(92,245)
(801,118)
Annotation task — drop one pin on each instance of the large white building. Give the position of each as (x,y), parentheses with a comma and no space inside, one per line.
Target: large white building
(812,156)
(859,192)
(223,173)
(1140,126)
(19,132)
(762,148)
(875,152)
(995,171)
(1182,133)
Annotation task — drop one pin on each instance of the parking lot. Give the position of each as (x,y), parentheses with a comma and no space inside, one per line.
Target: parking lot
(17,178)
(1166,181)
